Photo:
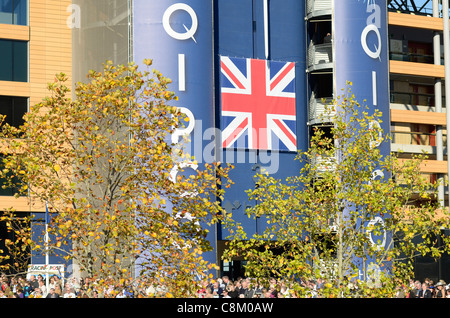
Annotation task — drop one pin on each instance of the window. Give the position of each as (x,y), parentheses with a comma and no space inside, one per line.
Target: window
(14,108)
(13,60)
(13,12)
(10,185)
(17,263)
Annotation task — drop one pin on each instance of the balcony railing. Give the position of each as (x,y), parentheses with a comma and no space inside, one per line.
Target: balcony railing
(411,57)
(413,138)
(416,142)
(315,8)
(320,110)
(323,164)
(320,56)
(411,98)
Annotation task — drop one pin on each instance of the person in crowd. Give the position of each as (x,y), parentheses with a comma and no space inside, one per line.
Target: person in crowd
(27,289)
(4,284)
(225,293)
(43,288)
(201,292)
(19,293)
(37,293)
(33,282)
(216,290)
(232,292)
(69,293)
(208,293)
(52,293)
(225,282)
(440,292)
(13,284)
(425,291)
(244,291)
(58,290)
(414,292)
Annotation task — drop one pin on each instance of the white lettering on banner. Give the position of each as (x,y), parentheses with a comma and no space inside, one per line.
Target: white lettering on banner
(74,20)
(377,173)
(373,54)
(374,88)
(373,25)
(189,34)
(174,173)
(376,224)
(181,72)
(379,138)
(175,140)
(186,131)
(182,60)
(375,17)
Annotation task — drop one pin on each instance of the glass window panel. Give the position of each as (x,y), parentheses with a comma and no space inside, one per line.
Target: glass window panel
(7,189)
(6,57)
(14,12)
(6,108)
(20,107)
(20,15)
(103,35)
(20,61)
(13,60)
(6,8)
(14,108)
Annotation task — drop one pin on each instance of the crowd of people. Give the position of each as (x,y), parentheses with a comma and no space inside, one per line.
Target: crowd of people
(243,288)
(425,289)
(35,286)
(247,288)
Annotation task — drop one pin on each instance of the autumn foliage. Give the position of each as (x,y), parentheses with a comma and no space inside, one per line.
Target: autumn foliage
(352,218)
(102,163)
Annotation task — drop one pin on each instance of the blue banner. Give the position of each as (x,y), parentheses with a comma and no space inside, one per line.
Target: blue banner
(360,44)
(248,32)
(361,55)
(178,36)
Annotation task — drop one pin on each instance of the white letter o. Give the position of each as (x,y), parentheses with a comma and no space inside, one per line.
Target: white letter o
(367,29)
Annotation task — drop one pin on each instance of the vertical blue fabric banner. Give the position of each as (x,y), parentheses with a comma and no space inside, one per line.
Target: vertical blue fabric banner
(361,55)
(178,36)
(360,44)
(241,34)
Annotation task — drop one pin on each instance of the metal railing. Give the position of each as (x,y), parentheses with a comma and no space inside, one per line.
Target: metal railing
(415,138)
(412,57)
(320,110)
(320,56)
(316,8)
(411,98)
(323,164)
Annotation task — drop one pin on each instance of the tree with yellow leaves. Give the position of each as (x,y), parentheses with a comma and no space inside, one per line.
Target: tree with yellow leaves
(102,163)
(353,217)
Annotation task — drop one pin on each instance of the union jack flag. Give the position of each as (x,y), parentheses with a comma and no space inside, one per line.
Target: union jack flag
(258,104)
